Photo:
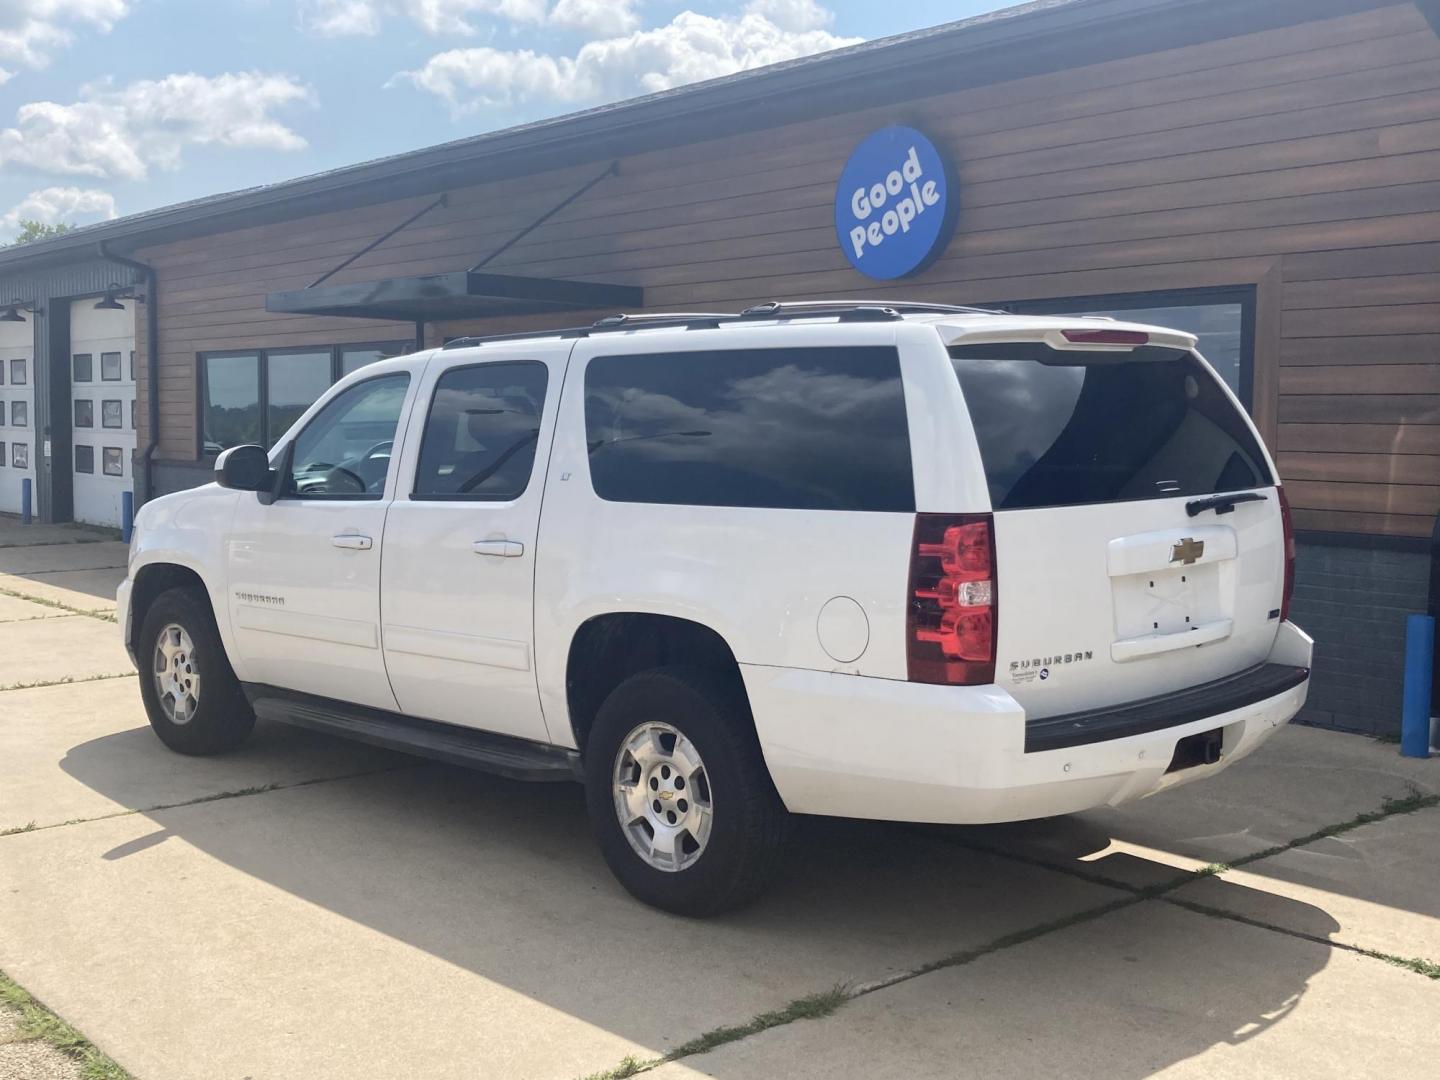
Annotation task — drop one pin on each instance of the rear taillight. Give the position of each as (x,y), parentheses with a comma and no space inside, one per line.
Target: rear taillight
(1289,527)
(951,604)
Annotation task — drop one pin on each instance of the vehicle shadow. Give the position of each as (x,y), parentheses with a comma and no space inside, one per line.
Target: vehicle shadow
(502,879)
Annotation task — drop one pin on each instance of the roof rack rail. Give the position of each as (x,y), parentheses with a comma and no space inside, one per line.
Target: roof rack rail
(844,310)
(691,320)
(886,310)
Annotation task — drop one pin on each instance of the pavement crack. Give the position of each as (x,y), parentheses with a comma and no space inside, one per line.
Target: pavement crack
(92,613)
(68,680)
(1429,968)
(238,793)
(1414,800)
(816,1006)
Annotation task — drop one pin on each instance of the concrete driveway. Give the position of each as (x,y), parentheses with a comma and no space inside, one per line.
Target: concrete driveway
(313,908)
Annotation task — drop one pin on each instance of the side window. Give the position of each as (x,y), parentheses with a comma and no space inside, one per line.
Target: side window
(344,452)
(807,428)
(482,430)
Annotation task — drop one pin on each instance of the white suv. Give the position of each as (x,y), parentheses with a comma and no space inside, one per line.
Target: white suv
(911,561)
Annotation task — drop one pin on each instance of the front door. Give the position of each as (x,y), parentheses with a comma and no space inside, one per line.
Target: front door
(304,572)
(459,576)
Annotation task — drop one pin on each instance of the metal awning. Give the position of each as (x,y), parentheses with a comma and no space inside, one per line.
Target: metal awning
(461,294)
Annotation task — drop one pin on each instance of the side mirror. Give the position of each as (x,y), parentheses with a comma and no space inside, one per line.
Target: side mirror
(244,468)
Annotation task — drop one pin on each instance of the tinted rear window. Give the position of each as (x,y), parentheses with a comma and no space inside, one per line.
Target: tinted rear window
(808,429)
(1067,428)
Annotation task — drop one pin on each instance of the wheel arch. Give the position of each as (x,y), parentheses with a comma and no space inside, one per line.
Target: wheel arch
(154,578)
(608,648)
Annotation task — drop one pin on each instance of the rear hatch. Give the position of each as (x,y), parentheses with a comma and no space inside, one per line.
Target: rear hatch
(1120,574)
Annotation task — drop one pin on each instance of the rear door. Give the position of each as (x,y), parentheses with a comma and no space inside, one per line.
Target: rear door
(459,578)
(1119,574)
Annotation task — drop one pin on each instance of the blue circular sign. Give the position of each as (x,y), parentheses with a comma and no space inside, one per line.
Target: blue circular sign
(893,205)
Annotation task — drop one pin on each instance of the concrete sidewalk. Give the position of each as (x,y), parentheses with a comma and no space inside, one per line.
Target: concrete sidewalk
(308,907)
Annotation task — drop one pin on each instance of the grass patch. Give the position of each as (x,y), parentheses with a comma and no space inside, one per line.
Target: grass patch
(15,830)
(38,1022)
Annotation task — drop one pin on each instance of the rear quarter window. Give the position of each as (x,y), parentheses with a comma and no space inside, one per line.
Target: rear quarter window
(1069,428)
(805,429)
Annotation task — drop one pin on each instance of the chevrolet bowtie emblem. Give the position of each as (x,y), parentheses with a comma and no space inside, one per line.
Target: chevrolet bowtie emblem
(666,795)
(1187,551)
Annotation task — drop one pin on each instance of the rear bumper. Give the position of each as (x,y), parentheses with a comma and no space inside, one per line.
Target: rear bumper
(847,746)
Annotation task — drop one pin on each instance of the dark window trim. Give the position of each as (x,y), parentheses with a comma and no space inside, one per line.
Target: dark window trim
(262,355)
(104,453)
(89,359)
(1244,295)
(471,496)
(85,446)
(327,496)
(119,366)
(113,401)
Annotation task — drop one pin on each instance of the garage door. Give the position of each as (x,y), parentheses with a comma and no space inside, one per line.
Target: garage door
(102,391)
(17,407)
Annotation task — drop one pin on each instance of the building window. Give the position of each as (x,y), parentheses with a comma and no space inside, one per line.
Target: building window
(112,414)
(84,367)
(254,396)
(84,413)
(19,413)
(84,458)
(20,455)
(112,461)
(1223,319)
(17,373)
(3,459)
(110,369)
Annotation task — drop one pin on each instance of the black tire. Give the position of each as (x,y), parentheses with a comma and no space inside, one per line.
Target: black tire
(222,718)
(749,823)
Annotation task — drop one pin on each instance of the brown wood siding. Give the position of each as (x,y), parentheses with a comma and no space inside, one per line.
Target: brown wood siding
(1304,162)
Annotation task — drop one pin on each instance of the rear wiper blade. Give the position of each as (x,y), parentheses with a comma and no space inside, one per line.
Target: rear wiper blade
(1222,504)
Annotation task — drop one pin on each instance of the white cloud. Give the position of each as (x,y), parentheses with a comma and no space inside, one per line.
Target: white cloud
(792,14)
(340,18)
(691,47)
(53,205)
(31,30)
(596,16)
(123,132)
(337,18)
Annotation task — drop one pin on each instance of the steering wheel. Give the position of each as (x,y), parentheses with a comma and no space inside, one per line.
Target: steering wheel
(378,449)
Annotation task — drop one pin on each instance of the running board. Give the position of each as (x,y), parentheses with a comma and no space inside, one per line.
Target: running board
(504,755)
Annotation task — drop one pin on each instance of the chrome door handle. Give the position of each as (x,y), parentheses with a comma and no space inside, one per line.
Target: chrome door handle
(505,549)
(353,541)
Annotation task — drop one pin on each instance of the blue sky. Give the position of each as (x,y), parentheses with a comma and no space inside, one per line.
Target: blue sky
(115,106)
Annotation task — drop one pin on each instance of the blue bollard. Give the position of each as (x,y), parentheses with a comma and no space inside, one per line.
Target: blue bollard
(127,515)
(1419,655)
(25,501)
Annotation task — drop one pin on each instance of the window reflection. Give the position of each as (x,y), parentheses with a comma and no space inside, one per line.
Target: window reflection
(1217,321)
(294,381)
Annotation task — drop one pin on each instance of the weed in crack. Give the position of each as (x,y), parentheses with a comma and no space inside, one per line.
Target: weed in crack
(69,609)
(811,1007)
(66,681)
